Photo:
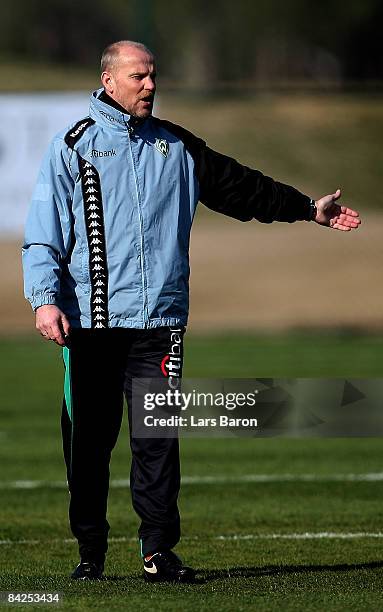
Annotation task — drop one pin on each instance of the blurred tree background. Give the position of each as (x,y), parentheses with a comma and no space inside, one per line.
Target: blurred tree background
(220,43)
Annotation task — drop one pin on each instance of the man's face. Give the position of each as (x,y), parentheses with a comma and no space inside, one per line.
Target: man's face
(131,82)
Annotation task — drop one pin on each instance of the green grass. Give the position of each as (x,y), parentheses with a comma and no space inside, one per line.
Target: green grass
(322,354)
(242,574)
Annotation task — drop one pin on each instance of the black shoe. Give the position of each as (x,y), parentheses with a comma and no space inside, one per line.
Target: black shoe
(167,567)
(88,570)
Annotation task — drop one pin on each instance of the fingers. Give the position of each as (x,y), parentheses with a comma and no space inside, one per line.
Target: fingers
(337,194)
(57,335)
(349,211)
(53,333)
(52,324)
(344,222)
(339,226)
(44,330)
(344,219)
(65,325)
(350,220)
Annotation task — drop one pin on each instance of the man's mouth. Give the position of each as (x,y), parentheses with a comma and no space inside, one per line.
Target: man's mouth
(147,99)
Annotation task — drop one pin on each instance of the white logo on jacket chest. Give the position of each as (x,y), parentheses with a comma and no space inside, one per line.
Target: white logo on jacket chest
(162,146)
(96,153)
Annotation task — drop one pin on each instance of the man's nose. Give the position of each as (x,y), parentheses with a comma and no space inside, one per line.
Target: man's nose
(150,84)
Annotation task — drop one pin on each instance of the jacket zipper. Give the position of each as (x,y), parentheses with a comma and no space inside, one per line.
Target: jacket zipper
(142,256)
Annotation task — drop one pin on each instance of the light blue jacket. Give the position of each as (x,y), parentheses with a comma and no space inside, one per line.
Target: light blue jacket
(107,235)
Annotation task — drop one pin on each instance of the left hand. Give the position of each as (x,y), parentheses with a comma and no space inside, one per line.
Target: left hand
(333,215)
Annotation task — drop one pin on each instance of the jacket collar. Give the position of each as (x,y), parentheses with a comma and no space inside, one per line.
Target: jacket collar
(114,117)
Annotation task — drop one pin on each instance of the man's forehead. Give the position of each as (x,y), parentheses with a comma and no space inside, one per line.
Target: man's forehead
(135,59)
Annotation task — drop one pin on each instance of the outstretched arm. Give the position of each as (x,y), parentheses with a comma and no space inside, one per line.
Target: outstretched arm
(232,189)
(331,214)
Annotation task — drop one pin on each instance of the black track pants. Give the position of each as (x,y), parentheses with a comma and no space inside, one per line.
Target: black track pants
(100,366)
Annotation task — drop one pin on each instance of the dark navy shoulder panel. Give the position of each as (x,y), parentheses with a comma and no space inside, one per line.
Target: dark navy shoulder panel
(192,143)
(77,131)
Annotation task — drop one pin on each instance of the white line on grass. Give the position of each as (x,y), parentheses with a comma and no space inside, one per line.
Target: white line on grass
(321,535)
(218,479)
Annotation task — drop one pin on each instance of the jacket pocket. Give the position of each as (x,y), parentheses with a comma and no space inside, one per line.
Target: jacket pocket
(79,268)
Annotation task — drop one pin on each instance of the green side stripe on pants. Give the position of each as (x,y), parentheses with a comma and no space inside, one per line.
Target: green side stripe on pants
(67,384)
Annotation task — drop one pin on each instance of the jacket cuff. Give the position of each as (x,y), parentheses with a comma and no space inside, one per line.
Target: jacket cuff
(42,299)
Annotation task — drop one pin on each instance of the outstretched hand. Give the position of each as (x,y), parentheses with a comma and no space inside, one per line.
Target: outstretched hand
(333,215)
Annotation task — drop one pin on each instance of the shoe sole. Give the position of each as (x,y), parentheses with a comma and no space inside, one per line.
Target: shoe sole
(90,578)
(186,580)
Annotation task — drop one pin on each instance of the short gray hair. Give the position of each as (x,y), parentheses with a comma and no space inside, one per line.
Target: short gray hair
(111,52)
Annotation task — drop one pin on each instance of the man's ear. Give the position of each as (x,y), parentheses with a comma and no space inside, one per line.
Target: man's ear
(108,82)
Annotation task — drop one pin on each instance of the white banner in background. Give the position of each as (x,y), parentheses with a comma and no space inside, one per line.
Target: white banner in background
(28,122)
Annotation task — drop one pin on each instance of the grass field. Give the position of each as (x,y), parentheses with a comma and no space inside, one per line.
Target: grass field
(281,542)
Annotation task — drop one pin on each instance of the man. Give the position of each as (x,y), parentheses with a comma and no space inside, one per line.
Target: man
(106,271)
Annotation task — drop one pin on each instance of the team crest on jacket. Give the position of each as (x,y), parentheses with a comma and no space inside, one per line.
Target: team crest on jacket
(162,146)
